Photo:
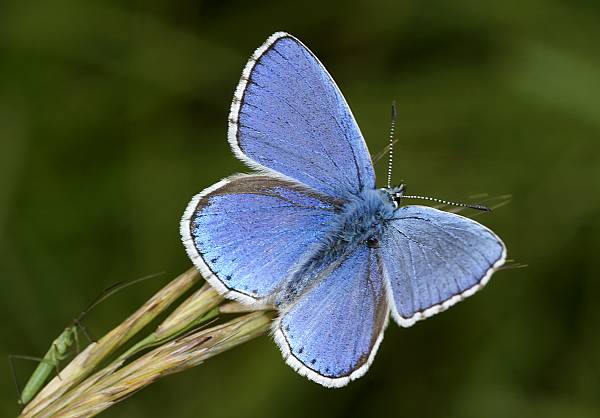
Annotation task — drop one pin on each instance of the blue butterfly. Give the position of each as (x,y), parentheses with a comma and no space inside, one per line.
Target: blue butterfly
(311,235)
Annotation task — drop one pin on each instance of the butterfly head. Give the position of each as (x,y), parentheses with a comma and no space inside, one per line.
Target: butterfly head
(395,194)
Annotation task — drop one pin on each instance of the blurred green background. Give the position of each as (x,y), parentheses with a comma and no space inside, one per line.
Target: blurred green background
(113,114)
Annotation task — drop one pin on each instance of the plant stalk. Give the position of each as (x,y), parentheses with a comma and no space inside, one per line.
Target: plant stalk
(86,361)
(175,356)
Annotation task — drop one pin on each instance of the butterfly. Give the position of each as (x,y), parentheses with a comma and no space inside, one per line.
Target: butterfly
(310,233)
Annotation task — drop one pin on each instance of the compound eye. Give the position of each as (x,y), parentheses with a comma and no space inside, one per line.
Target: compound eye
(373,242)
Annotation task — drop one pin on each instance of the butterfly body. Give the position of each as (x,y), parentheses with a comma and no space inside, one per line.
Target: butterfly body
(365,216)
(312,236)
(360,221)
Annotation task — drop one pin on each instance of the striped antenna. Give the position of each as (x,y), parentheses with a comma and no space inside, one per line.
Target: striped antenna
(391,145)
(446,202)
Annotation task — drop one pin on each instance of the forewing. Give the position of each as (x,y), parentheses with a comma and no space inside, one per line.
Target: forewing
(247,233)
(331,334)
(288,116)
(434,259)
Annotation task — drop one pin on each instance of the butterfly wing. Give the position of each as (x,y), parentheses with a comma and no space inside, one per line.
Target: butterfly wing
(289,117)
(331,334)
(246,233)
(434,259)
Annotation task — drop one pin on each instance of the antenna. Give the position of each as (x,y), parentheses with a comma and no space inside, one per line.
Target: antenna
(109,291)
(446,202)
(391,144)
